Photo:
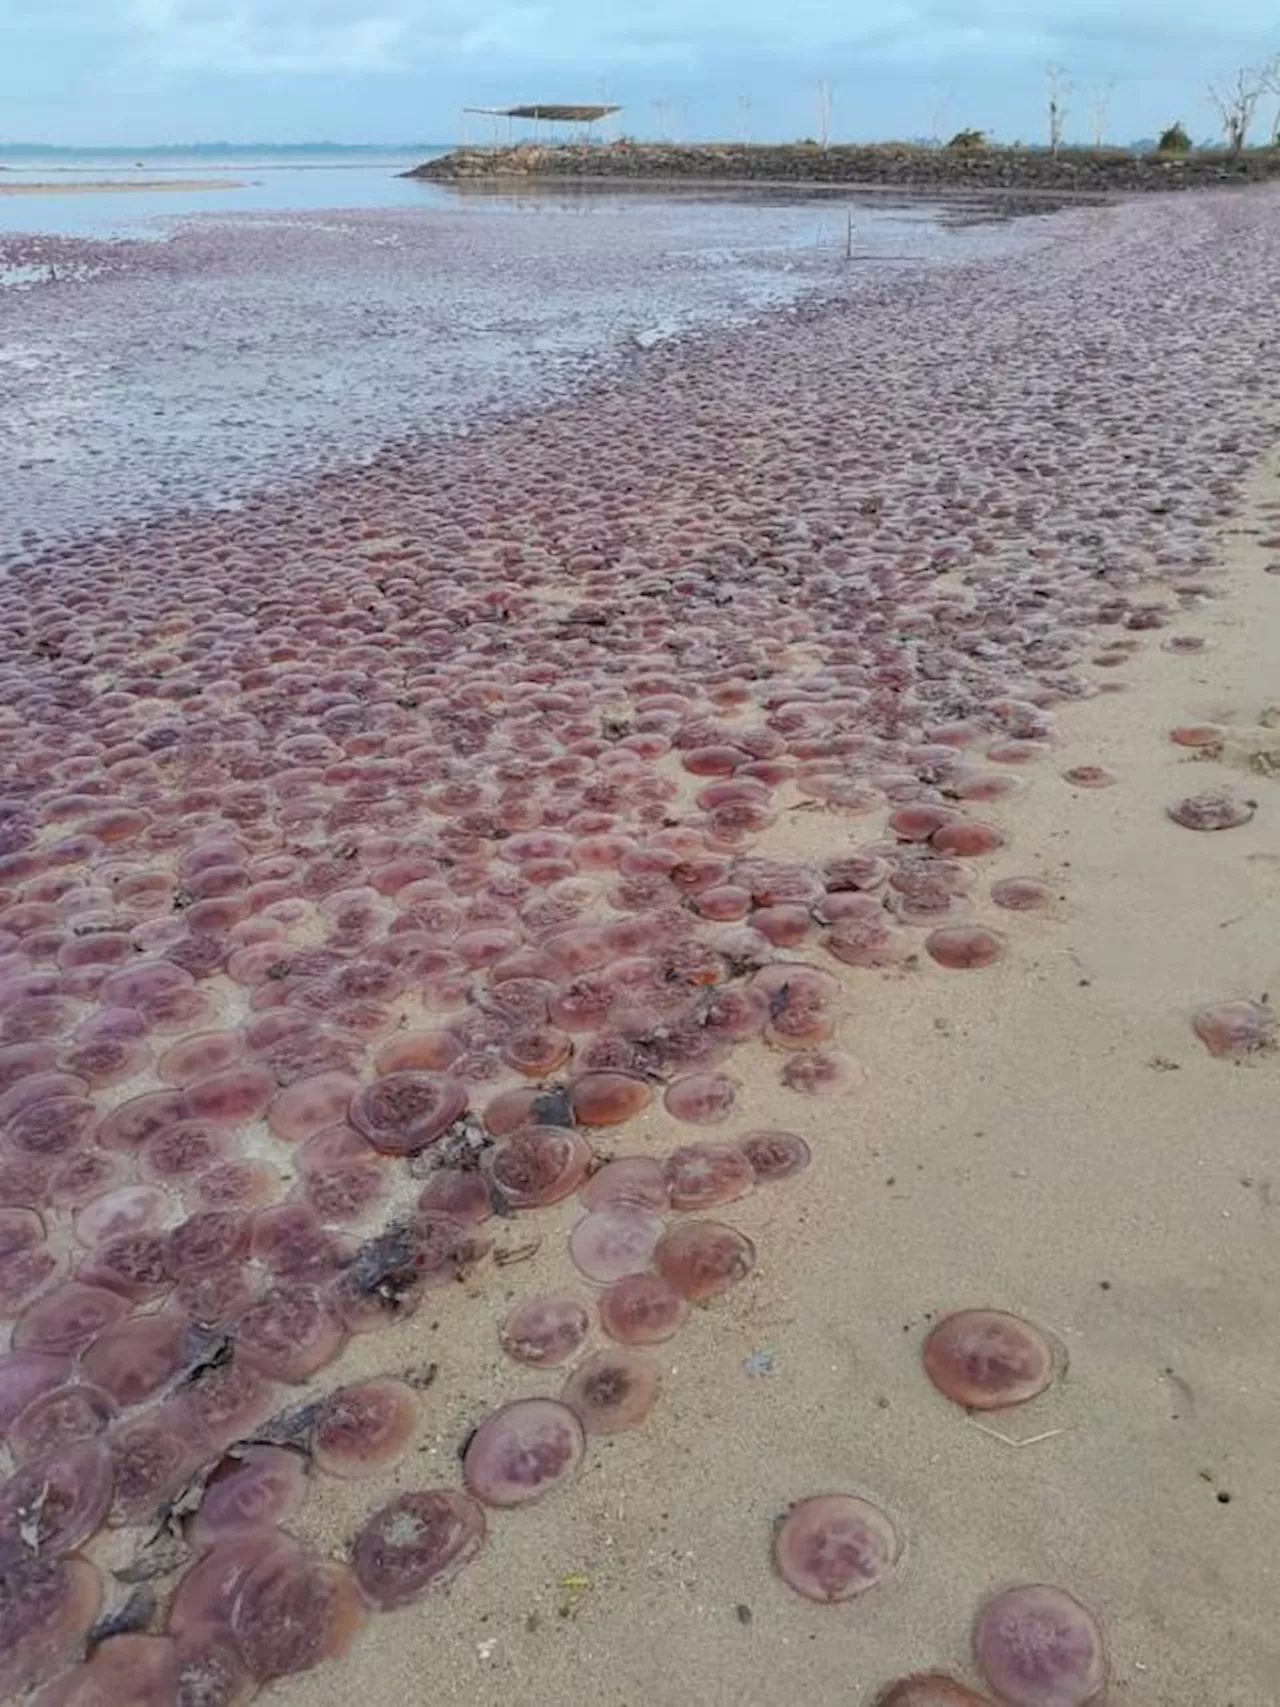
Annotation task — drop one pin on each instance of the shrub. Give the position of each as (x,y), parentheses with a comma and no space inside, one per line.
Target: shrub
(968,139)
(1174,140)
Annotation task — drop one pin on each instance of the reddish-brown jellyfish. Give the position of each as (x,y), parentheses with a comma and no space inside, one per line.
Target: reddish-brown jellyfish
(700,1176)
(209,1239)
(1203,736)
(151,1457)
(310,1105)
(702,1259)
(820,1072)
(1037,1646)
(629,1182)
(289,1334)
(963,948)
(459,1193)
(985,1359)
(362,1429)
(1235,1028)
(929,1689)
(229,1400)
(966,838)
(703,1099)
(47,1606)
(24,1377)
(133,1360)
(293,1611)
(613,1390)
(545,1330)
(608,1243)
(538,1166)
(404,1112)
(1216,810)
(63,1417)
(56,1503)
(523,1451)
(67,1319)
(642,1309)
(834,1547)
(1021,894)
(608,1099)
(1089,776)
(258,1488)
(415,1543)
(774,1156)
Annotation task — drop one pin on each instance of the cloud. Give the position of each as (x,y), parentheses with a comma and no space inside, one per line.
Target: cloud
(256,37)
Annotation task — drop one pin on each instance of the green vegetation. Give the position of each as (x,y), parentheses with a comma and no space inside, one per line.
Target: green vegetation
(966,140)
(1174,140)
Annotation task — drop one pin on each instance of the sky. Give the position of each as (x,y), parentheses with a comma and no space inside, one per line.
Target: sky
(137,72)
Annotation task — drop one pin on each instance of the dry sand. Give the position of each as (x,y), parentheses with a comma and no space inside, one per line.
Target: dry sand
(1048,1137)
(125,188)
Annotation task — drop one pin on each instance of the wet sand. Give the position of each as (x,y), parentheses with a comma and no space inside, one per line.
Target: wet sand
(1044,1136)
(124,187)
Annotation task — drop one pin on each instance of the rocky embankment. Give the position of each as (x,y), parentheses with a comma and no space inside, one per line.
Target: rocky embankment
(1074,170)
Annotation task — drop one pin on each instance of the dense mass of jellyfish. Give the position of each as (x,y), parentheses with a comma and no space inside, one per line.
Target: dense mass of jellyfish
(371,856)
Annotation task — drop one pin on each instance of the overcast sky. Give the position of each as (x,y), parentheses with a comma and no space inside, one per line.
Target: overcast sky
(149,71)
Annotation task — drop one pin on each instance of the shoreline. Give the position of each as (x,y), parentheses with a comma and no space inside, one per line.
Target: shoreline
(121,187)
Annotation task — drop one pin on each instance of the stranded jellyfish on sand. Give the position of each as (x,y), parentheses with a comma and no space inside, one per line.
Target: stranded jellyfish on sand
(415,1543)
(612,1391)
(929,1689)
(1038,1647)
(1235,1029)
(1089,776)
(961,948)
(1216,810)
(363,1429)
(774,1156)
(642,1309)
(523,1451)
(985,1359)
(545,1330)
(702,1259)
(259,1487)
(834,1547)
(404,1112)
(609,1243)
(293,1611)
(700,1176)
(537,1166)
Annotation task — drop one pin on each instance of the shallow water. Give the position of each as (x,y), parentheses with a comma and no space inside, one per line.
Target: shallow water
(194,359)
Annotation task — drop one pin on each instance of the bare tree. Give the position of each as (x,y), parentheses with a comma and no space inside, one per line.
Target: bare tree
(1237,102)
(1100,107)
(824,113)
(939,107)
(1057,88)
(1269,77)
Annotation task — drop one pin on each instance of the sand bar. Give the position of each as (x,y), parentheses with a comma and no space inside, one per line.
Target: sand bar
(121,187)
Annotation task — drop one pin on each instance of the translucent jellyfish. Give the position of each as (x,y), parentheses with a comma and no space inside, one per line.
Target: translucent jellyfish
(774,1156)
(929,1689)
(133,1264)
(309,1105)
(56,1503)
(609,1243)
(209,1239)
(835,1547)
(966,838)
(820,1072)
(702,1259)
(228,1400)
(1202,736)
(289,1334)
(231,1098)
(964,947)
(291,1240)
(1217,810)
(152,1457)
(523,1451)
(700,1176)
(985,1359)
(415,1543)
(403,1113)
(258,1488)
(293,1611)
(1021,894)
(1090,776)
(47,1606)
(24,1377)
(127,1209)
(1039,1647)
(135,1359)
(629,1182)
(64,1416)
(1235,1028)
(702,1099)
(537,1166)
(608,1099)
(613,1390)
(67,1319)
(642,1309)
(362,1429)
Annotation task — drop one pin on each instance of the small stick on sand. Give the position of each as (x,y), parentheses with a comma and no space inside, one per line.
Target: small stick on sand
(1006,1440)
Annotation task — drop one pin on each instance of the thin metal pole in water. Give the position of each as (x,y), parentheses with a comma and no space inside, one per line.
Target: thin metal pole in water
(848,241)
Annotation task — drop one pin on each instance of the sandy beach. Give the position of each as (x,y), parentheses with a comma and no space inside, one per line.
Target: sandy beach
(1029,509)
